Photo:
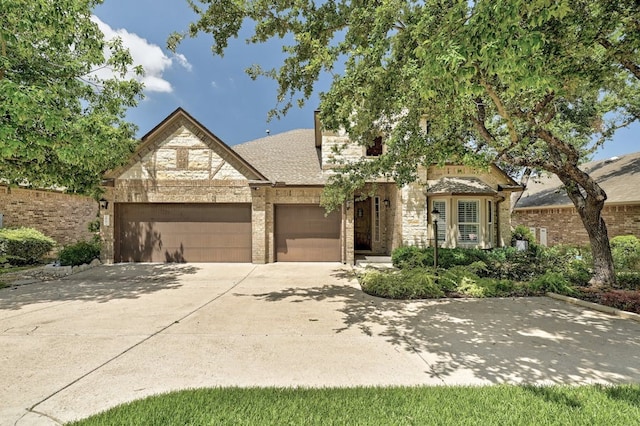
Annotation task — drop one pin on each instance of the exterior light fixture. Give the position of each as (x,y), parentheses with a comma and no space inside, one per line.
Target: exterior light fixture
(104,204)
(386,202)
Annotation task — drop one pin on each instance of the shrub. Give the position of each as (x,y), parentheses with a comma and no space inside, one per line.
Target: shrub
(404,284)
(625,250)
(413,257)
(79,253)
(408,257)
(628,280)
(24,246)
(510,263)
(552,282)
(522,233)
(625,300)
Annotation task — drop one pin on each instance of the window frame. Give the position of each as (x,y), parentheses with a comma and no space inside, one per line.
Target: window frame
(376,219)
(442,222)
(475,224)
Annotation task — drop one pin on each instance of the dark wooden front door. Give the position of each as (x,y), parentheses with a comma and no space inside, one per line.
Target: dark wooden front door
(362,224)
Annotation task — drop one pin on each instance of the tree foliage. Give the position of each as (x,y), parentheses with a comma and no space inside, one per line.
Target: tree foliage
(530,83)
(61,120)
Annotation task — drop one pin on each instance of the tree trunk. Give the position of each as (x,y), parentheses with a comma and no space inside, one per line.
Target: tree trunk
(589,206)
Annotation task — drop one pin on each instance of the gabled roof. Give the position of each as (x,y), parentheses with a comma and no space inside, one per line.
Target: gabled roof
(289,158)
(460,185)
(179,118)
(619,177)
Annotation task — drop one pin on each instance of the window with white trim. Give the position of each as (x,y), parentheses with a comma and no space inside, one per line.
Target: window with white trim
(441,206)
(468,221)
(376,219)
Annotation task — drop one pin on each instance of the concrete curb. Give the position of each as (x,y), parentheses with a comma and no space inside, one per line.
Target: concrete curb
(595,306)
(46,273)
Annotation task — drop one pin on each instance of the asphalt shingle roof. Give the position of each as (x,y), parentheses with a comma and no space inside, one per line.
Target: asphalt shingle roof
(459,185)
(618,176)
(290,157)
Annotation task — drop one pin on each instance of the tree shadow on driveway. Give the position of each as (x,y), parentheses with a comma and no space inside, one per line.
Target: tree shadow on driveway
(482,341)
(100,284)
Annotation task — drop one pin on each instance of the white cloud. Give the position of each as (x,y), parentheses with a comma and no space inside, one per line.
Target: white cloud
(182,60)
(150,56)
(214,84)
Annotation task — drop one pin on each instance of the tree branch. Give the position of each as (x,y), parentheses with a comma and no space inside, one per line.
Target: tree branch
(513,135)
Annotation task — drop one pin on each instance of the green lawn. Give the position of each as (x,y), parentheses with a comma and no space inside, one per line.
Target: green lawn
(492,405)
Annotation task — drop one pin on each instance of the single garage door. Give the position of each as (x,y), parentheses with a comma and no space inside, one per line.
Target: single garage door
(164,232)
(304,234)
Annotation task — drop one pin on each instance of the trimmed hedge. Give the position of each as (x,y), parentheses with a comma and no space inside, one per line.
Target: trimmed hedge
(24,246)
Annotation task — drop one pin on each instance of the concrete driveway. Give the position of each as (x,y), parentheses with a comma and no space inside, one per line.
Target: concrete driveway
(77,346)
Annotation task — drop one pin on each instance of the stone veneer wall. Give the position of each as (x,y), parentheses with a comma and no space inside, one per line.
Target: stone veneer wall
(337,148)
(63,217)
(565,227)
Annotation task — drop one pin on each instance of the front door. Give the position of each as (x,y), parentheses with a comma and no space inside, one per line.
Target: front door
(362,224)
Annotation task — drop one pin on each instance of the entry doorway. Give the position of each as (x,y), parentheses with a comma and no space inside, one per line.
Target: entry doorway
(362,224)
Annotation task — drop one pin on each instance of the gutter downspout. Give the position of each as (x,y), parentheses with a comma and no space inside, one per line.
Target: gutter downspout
(498,228)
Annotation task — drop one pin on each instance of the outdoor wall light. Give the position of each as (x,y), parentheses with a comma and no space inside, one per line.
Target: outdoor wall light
(104,204)
(386,202)
(435,215)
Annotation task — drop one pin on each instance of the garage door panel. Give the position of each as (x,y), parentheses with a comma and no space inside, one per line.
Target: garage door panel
(183,232)
(304,234)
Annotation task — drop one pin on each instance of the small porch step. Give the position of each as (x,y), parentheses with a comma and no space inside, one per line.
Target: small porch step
(377,261)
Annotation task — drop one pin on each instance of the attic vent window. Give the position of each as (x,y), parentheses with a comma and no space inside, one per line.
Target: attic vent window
(375,150)
(182,159)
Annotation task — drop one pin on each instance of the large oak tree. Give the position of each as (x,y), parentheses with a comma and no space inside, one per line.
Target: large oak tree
(535,84)
(64,91)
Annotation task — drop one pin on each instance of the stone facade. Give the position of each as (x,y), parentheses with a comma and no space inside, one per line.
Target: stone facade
(562,225)
(63,217)
(181,162)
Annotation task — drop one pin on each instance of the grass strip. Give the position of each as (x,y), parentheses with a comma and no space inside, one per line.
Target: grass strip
(490,405)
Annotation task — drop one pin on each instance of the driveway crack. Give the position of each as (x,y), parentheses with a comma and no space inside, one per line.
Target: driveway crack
(130,348)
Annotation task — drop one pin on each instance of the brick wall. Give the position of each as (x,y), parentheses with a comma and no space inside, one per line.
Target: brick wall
(63,217)
(565,227)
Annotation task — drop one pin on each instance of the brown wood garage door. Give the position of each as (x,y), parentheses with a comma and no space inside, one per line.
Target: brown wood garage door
(164,232)
(304,234)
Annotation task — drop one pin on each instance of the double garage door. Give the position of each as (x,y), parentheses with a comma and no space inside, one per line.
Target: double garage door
(166,232)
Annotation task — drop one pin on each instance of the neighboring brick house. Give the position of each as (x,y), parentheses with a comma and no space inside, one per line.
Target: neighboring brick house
(187,196)
(63,217)
(548,211)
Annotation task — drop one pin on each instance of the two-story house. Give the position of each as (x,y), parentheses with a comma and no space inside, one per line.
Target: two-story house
(185,196)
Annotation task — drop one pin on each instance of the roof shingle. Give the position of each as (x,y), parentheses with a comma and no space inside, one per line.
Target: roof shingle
(291,157)
(619,177)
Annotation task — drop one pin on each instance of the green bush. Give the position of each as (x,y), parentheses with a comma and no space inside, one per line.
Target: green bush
(553,282)
(625,250)
(24,246)
(512,264)
(522,233)
(79,253)
(409,257)
(404,284)
(628,280)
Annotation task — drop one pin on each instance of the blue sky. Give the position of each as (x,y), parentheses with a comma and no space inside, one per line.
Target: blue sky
(216,91)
